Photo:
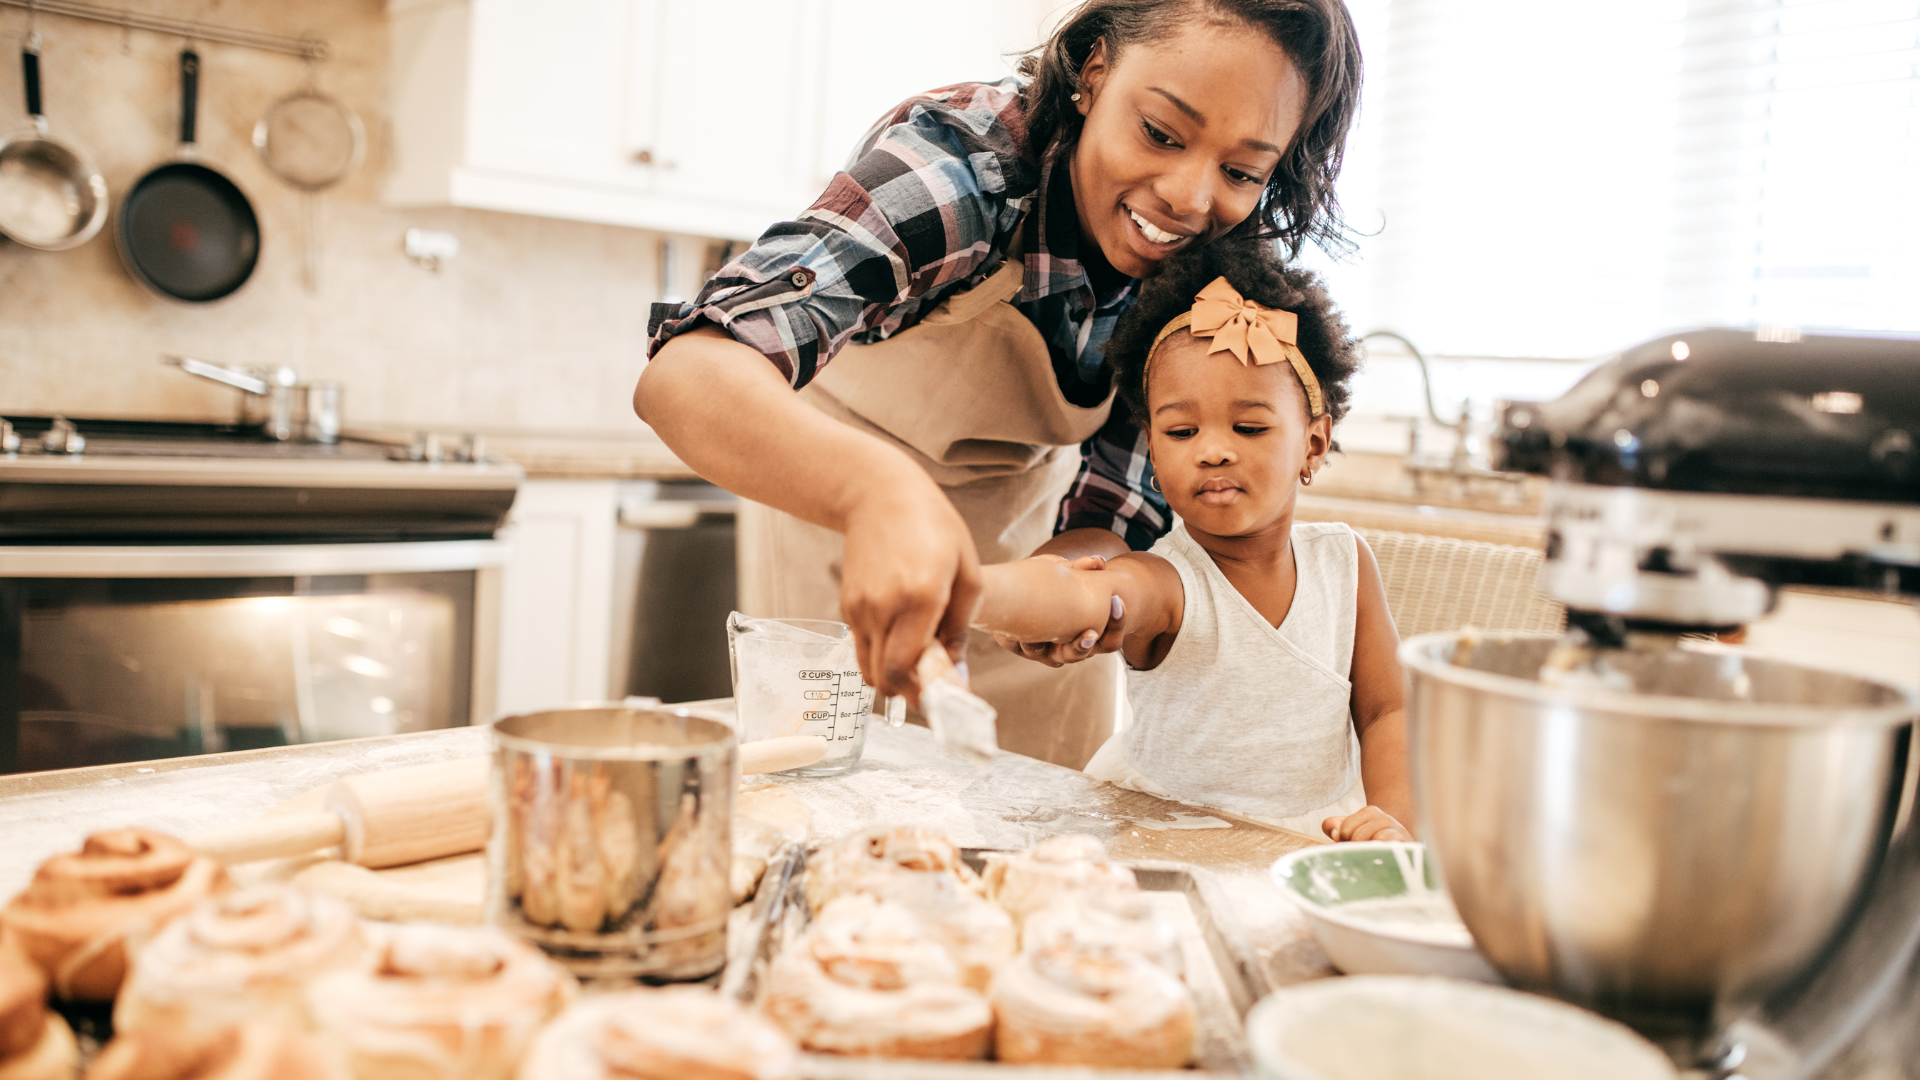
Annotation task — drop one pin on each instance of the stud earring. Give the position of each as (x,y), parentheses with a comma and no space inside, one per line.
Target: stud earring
(1075,97)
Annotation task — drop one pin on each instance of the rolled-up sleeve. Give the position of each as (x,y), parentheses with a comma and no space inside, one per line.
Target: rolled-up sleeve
(932,195)
(1111,491)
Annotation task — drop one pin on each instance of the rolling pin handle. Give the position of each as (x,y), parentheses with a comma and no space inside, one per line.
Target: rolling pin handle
(272,837)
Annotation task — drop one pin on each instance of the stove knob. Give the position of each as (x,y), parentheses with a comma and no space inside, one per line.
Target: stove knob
(63,438)
(426,446)
(473,448)
(9,439)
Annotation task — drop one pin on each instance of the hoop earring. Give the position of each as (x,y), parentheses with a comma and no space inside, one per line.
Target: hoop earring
(1074,97)
(1154,482)
(1306,479)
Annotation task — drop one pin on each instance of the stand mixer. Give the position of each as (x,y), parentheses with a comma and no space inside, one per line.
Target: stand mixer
(1711,845)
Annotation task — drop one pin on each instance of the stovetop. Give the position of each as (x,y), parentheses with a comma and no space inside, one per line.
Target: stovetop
(179,439)
(149,481)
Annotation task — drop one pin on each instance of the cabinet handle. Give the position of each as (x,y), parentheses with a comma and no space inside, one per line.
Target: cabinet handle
(645,157)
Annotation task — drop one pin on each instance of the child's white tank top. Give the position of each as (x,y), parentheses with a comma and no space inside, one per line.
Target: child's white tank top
(1243,716)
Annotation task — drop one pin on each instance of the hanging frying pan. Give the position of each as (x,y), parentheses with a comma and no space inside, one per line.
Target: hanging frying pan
(51,196)
(186,230)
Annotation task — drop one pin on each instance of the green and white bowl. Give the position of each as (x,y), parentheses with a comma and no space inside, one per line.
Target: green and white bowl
(1358,898)
(1397,1027)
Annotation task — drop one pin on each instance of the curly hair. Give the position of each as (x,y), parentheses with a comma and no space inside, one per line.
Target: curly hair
(1299,204)
(1254,268)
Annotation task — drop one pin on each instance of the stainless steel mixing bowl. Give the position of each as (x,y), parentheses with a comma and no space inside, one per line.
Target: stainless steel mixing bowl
(1690,837)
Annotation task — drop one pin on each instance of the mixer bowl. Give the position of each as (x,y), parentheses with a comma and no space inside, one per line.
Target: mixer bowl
(1692,836)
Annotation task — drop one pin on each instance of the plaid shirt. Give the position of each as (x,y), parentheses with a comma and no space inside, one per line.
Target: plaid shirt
(928,206)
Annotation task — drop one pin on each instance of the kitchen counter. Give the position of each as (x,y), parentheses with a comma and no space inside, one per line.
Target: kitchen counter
(904,777)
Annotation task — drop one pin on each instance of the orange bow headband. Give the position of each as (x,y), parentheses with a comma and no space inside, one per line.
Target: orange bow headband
(1254,333)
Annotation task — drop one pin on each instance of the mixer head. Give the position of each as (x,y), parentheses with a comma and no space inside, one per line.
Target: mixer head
(1696,474)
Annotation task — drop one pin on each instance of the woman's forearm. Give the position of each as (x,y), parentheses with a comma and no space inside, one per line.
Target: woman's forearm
(722,408)
(1385,771)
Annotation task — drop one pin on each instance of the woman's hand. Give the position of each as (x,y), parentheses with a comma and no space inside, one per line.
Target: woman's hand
(1092,642)
(910,576)
(1367,823)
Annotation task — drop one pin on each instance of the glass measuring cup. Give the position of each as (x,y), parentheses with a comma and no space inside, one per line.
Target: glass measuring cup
(800,677)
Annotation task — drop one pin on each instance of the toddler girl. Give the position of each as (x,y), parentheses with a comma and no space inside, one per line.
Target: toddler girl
(1263,673)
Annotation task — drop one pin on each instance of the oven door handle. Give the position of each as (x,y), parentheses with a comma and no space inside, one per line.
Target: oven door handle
(249,560)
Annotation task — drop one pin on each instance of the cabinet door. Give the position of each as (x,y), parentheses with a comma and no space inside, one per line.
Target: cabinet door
(556,603)
(552,89)
(878,53)
(737,83)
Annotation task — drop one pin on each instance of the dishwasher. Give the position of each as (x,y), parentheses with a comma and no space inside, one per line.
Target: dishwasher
(675,580)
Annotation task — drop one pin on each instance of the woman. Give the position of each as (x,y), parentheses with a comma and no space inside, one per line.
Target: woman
(941,309)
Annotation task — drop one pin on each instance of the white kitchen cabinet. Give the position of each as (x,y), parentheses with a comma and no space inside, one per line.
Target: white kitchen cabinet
(685,116)
(557,595)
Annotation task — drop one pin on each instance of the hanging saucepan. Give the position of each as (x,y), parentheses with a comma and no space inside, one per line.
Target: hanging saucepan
(186,230)
(51,196)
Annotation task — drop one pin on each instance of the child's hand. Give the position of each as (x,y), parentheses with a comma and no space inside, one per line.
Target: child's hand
(1367,823)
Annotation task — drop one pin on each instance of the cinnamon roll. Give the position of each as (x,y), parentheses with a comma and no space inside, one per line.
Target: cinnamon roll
(75,917)
(867,979)
(1058,866)
(244,955)
(840,869)
(1087,1000)
(1126,919)
(35,1044)
(976,932)
(257,1050)
(678,1033)
(439,1002)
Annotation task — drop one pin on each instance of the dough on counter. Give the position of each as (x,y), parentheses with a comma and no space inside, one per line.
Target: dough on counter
(238,957)
(1028,881)
(867,979)
(840,869)
(77,916)
(674,1033)
(439,1003)
(1091,999)
(256,1050)
(450,890)
(35,1043)
(765,820)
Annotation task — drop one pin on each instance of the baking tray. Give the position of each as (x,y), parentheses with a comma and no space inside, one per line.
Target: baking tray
(1224,979)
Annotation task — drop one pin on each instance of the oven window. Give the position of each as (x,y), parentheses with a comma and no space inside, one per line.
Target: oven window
(131,670)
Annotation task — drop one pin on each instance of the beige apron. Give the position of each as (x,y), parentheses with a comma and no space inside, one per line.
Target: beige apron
(969,393)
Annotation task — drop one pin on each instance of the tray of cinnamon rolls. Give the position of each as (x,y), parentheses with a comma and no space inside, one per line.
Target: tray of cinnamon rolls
(893,953)
(890,953)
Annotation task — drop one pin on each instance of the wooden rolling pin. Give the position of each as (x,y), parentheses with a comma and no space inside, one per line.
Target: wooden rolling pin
(403,816)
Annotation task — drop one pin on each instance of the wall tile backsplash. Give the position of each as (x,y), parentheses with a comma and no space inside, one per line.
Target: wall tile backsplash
(536,324)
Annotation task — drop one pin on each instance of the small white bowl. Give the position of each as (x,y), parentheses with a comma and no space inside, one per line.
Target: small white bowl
(1396,1027)
(1323,880)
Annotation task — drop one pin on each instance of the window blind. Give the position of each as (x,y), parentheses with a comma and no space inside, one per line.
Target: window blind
(1565,179)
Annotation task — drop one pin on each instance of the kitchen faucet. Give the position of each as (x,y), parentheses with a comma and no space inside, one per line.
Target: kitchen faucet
(1462,469)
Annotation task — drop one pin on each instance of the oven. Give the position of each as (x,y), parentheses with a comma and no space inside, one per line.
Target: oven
(175,589)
